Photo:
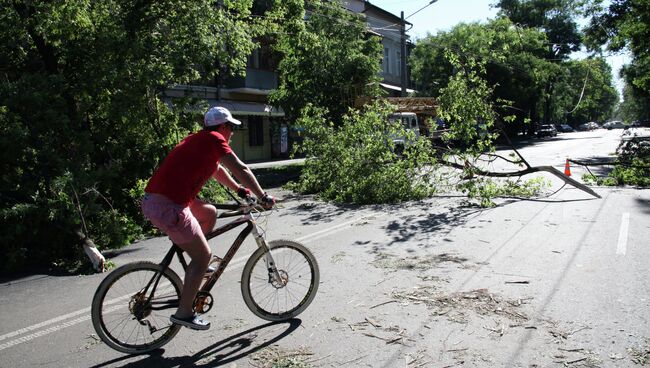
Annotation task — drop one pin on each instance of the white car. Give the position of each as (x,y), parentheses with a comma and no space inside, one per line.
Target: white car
(410,123)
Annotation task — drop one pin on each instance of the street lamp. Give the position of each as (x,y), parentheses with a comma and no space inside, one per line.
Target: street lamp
(403,79)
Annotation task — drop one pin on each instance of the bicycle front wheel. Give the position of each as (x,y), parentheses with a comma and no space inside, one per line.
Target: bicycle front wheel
(277,301)
(124,316)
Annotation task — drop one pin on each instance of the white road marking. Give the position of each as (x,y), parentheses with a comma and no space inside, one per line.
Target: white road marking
(234,265)
(621,246)
(43,324)
(319,234)
(49,330)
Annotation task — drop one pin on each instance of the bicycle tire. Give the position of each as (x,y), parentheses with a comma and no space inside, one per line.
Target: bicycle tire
(266,304)
(117,296)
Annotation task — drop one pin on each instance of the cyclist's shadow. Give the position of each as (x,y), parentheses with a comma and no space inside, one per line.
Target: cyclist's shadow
(222,352)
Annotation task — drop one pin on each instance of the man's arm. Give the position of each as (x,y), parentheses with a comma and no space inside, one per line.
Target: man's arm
(242,172)
(223,176)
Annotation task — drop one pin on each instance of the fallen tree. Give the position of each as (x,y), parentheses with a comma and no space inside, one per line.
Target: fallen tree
(472,169)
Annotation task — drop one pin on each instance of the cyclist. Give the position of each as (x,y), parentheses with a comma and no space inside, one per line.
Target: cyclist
(171,205)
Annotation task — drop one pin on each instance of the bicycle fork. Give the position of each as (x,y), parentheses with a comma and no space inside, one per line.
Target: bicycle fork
(275,277)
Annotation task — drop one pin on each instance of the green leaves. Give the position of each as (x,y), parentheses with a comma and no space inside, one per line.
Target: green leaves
(357,162)
(81,115)
(327,60)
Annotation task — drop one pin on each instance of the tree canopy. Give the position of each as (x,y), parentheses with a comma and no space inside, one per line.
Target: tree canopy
(624,25)
(519,71)
(81,115)
(327,60)
(556,18)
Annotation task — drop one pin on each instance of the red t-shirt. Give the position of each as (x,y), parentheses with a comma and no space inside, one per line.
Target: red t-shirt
(188,166)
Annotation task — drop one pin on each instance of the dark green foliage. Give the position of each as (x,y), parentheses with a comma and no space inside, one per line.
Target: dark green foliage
(81,119)
(623,25)
(635,105)
(526,84)
(556,18)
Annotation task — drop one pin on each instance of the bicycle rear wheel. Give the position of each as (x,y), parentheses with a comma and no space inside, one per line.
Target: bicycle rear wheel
(270,300)
(123,316)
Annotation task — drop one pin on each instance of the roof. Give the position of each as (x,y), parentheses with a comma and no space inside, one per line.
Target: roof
(386,13)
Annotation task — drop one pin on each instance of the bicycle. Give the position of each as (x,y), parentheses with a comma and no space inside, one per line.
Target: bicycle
(131,307)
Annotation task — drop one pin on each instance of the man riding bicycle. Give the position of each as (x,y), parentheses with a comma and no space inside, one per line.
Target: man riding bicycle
(171,205)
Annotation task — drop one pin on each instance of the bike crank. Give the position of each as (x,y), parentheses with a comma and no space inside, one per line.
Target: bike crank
(203,302)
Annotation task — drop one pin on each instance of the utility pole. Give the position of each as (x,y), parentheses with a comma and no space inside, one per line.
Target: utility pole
(402,31)
(402,62)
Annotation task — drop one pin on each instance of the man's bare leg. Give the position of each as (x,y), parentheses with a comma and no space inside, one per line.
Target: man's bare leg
(200,253)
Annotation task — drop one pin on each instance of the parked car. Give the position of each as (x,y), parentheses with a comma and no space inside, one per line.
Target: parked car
(546,130)
(588,126)
(640,123)
(564,128)
(616,124)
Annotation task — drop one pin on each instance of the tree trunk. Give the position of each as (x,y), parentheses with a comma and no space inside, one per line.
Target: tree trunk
(91,251)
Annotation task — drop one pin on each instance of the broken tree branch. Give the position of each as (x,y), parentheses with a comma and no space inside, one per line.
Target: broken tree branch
(528,170)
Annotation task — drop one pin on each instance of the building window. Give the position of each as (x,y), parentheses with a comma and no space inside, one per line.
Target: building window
(398,61)
(262,58)
(255,131)
(386,61)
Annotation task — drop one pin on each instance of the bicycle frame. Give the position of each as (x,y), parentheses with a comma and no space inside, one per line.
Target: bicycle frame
(245,218)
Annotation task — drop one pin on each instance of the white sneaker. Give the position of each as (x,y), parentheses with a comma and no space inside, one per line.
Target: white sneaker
(193,322)
(212,266)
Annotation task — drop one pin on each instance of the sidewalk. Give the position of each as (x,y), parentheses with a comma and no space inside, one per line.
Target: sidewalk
(276,163)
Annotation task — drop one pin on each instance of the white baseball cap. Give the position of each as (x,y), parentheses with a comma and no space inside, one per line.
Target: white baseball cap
(219,115)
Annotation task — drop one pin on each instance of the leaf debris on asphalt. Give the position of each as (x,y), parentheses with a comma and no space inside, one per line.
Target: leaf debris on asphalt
(276,357)
(480,300)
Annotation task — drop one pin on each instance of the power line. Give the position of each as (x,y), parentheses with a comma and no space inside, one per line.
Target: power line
(417,11)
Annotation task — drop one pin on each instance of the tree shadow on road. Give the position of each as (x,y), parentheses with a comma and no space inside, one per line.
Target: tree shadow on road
(599,166)
(317,212)
(644,204)
(220,353)
(424,222)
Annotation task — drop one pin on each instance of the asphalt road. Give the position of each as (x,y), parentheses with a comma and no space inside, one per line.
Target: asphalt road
(562,280)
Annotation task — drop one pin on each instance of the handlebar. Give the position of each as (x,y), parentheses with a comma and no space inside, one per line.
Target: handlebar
(240,207)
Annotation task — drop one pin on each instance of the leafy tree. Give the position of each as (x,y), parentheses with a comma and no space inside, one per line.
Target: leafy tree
(355,161)
(589,92)
(327,60)
(635,105)
(623,25)
(513,60)
(517,67)
(81,116)
(556,18)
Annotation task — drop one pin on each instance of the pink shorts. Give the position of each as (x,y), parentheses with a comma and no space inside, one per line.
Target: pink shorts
(176,221)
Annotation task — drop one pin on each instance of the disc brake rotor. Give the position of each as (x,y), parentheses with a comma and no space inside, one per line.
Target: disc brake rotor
(284,280)
(139,307)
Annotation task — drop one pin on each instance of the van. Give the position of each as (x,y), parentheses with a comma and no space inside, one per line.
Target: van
(410,123)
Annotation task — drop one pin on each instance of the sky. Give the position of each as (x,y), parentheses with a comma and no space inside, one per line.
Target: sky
(445,14)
